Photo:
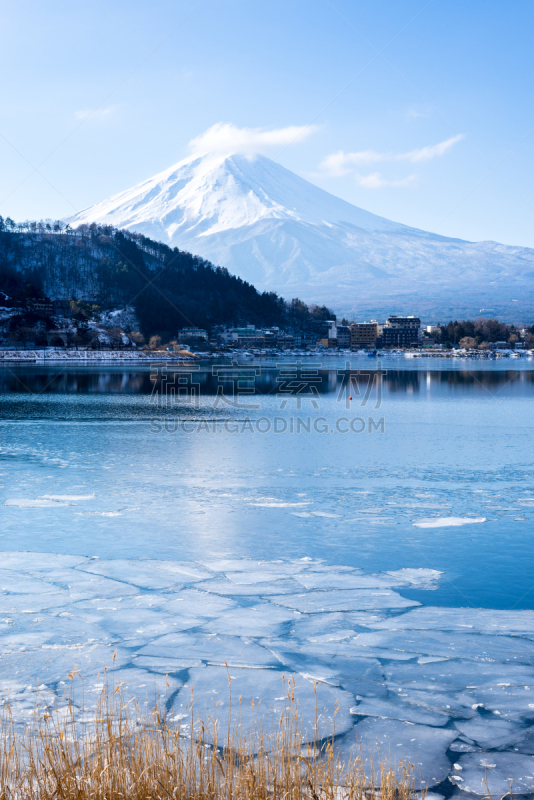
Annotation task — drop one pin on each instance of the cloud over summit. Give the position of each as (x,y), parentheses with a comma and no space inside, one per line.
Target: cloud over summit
(224,137)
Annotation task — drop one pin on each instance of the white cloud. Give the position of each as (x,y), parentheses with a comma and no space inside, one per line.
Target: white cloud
(340,163)
(96,114)
(376,181)
(227,138)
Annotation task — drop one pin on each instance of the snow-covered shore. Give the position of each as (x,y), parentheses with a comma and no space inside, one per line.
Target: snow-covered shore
(71,354)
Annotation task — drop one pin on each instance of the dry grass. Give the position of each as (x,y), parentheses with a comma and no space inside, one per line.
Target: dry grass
(115,752)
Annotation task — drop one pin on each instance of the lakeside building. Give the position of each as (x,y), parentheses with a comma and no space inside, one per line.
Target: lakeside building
(395,332)
(400,332)
(363,334)
(250,336)
(187,334)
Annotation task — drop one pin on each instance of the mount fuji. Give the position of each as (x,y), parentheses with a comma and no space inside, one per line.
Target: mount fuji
(281,233)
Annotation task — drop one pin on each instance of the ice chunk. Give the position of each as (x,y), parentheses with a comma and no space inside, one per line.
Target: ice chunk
(420,745)
(190,602)
(492,734)
(259,620)
(316,704)
(454,704)
(35,503)
(138,573)
(346,580)
(506,699)
(481,620)
(393,708)
(29,603)
(38,561)
(229,588)
(86,585)
(265,576)
(212,649)
(166,666)
(187,570)
(359,675)
(447,522)
(460,674)
(68,497)
(451,645)
(141,684)
(331,623)
(486,774)
(344,600)
(422,578)
(144,623)
(52,665)
(16,583)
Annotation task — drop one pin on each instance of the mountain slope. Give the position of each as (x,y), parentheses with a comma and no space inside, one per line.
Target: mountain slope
(282,233)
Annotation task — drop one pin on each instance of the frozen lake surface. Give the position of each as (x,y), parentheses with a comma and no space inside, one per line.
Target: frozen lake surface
(188,527)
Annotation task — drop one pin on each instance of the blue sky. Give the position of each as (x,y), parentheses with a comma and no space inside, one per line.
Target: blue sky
(419,111)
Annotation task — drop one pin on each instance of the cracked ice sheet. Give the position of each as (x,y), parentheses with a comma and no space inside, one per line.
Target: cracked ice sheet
(508,701)
(16,583)
(391,707)
(212,649)
(422,578)
(51,666)
(192,602)
(229,588)
(498,734)
(452,645)
(32,603)
(85,584)
(459,674)
(333,625)
(250,565)
(211,686)
(38,561)
(344,600)
(144,574)
(481,620)
(326,668)
(423,746)
(491,773)
(142,623)
(257,621)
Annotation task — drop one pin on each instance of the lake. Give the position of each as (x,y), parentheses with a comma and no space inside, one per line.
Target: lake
(365,524)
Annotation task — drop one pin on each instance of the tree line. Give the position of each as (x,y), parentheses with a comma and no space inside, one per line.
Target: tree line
(106,267)
(480,332)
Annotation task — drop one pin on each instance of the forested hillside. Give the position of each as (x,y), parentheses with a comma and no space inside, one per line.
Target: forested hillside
(168,288)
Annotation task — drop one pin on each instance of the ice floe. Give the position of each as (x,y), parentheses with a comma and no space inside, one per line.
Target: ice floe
(491,774)
(399,744)
(447,522)
(39,502)
(344,600)
(322,709)
(433,686)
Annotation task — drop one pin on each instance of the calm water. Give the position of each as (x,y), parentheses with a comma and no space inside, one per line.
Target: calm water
(255,461)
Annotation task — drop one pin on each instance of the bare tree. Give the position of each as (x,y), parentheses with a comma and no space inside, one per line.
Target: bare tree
(468,343)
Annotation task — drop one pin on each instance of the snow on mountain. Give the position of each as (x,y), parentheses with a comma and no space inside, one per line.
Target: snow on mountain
(282,233)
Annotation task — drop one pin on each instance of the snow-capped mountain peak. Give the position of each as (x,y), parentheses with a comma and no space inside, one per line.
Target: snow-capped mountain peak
(283,233)
(204,195)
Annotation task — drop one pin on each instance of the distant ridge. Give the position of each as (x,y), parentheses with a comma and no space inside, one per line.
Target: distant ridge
(282,233)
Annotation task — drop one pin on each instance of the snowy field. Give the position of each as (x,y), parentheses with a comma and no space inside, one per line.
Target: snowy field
(452,689)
